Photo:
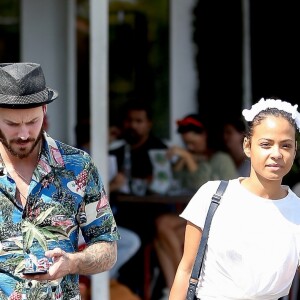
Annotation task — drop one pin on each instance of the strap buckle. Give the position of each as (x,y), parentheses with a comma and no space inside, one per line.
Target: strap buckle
(216,198)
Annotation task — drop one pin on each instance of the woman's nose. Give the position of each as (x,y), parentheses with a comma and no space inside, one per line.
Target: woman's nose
(276,153)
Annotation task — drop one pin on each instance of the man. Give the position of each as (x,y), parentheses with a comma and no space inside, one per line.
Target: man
(133,157)
(48,191)
(135,174)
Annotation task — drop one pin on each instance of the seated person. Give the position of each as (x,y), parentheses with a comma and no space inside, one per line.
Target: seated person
(233,136)
(197,163)
(135,174)
(133,158)
(130,242)
(135,170)
(128,245)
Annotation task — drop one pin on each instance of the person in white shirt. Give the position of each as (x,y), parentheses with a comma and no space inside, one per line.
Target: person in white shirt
(253,247)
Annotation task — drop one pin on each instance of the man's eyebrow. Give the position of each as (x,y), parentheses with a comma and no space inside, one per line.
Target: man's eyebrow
(12,122)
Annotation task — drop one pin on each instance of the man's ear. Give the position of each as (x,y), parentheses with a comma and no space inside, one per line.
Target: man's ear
(45,109)
(247,146)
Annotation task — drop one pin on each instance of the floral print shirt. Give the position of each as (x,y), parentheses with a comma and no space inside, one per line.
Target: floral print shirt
(66,195)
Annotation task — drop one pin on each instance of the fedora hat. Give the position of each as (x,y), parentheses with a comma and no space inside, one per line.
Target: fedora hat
(23,85)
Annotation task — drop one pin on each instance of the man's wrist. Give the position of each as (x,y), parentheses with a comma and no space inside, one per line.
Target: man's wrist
(73,263)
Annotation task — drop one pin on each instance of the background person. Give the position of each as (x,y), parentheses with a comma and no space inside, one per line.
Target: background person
(130,242)
(252,250)
(49,191)
(234,130)
(139,139)
(197,163)
(135,166)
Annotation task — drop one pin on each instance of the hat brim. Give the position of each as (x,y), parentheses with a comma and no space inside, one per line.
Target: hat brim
(28,101)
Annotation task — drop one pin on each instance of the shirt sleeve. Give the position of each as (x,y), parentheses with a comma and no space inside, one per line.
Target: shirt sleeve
(197,208)
(99,222)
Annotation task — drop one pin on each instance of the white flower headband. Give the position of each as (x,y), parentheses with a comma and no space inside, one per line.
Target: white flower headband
(262,104)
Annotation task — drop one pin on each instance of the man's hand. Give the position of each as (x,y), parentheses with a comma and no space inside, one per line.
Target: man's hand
(60,267)
(96,258)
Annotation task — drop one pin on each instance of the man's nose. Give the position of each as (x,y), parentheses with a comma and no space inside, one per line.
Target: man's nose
(23,132)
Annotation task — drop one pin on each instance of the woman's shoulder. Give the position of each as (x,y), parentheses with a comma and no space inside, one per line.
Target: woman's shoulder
(212,185)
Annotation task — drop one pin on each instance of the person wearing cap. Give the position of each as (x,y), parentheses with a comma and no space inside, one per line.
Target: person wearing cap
(197,163)
(49,191)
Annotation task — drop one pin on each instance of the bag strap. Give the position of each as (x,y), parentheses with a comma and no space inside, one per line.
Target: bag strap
(215,201)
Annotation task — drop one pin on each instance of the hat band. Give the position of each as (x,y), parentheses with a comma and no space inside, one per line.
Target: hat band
(40,97)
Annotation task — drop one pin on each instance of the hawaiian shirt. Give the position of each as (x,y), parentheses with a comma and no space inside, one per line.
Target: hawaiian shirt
(66,196)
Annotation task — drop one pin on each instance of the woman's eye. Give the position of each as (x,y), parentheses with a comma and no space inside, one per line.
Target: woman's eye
(287,146)
(264,145)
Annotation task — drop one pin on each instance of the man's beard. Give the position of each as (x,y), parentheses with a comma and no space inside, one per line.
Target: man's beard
(8,144)
(131,137)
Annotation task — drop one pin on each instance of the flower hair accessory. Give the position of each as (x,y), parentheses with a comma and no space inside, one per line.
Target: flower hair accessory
(262,104)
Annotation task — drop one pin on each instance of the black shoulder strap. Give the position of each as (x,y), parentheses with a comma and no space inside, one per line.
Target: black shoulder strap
(215,201)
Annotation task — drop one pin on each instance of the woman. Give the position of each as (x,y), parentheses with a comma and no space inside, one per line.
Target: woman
(253,246)
(233,136)
(196,163)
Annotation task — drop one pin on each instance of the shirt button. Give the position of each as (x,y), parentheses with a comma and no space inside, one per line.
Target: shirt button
(10,189)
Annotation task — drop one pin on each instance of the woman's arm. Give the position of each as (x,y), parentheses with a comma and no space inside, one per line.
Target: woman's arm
(191,244)
(185,159)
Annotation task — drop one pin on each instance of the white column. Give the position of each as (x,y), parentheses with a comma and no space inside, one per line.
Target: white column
(71,71)
(183,75)
(47,39)
(99,109)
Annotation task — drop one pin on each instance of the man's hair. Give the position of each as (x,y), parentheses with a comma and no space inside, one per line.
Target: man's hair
(138,105)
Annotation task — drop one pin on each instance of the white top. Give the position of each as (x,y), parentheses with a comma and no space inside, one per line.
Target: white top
(254,243)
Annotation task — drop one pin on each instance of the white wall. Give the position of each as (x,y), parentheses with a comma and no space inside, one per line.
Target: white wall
(46,39)
(183,76)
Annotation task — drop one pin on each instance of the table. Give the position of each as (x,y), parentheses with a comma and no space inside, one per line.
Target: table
(180,201)
(154,198)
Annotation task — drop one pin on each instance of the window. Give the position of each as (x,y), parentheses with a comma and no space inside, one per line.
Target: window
(138,58)
(9,30)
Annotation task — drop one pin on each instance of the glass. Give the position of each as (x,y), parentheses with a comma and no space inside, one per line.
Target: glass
(139,186)
(138,59)
(162,172)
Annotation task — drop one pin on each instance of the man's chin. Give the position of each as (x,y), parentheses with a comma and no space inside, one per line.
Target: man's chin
(132,140)
(19,152)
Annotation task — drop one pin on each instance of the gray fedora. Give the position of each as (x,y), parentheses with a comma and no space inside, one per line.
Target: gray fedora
(23,85)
